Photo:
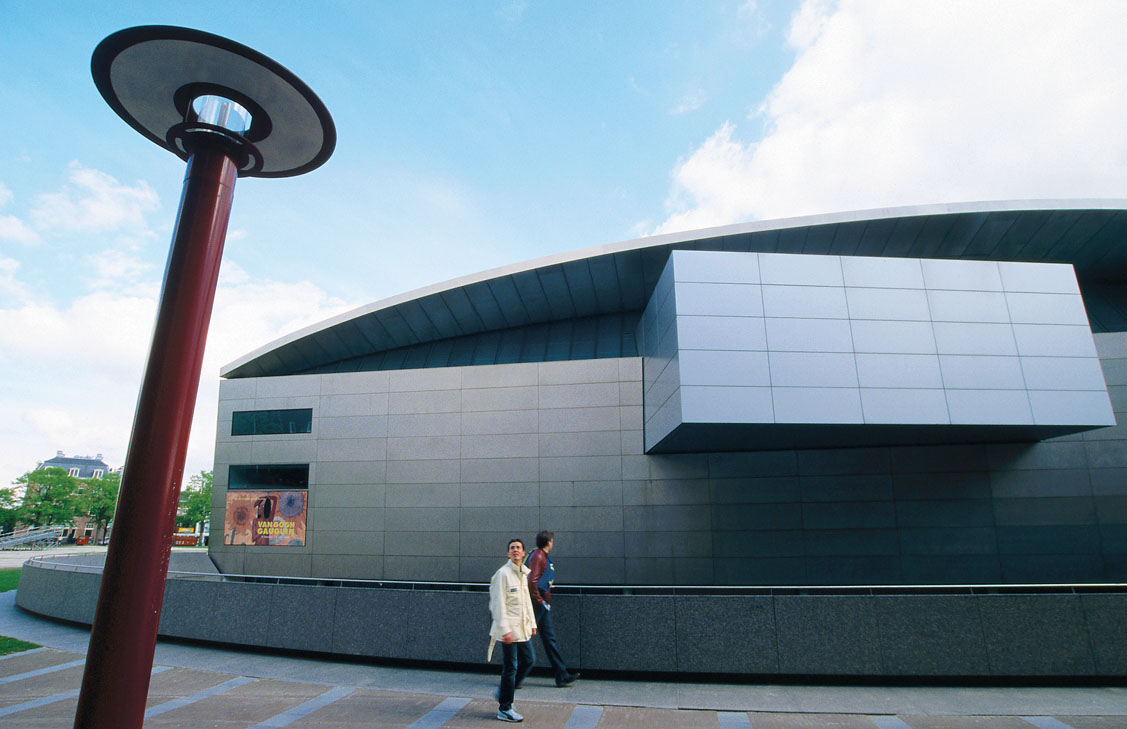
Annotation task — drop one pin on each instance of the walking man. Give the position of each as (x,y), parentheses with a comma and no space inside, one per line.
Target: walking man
(513,625)
(541,577)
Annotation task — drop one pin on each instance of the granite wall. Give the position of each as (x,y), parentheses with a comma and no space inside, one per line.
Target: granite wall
(965,634)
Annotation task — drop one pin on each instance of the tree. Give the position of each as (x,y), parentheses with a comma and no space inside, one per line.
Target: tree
(99,498)
(50,497)
(10,510)
(195,501)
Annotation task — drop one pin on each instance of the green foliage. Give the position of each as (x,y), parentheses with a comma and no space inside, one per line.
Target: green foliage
(99,498)
(50,497)
(11,511)
(14,645)
(9,579)
(195,500)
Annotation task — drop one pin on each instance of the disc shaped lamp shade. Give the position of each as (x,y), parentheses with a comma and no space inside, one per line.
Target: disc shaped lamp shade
(155,77)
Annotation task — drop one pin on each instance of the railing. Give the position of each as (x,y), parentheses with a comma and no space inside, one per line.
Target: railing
(61,563)
(30,538)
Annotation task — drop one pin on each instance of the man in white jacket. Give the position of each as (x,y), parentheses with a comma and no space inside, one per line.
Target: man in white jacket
(514,624)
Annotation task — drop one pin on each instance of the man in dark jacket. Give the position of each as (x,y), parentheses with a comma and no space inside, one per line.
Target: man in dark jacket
(541,577)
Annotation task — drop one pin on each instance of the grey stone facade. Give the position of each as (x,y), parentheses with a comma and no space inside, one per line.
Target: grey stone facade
(909,397)
(424,474)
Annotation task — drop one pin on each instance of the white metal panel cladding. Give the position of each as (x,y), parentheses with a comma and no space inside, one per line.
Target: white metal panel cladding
(855,342)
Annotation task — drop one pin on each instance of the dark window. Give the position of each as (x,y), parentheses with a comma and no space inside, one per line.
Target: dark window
(486,350)
(602,335)
(272,422)
(267,478)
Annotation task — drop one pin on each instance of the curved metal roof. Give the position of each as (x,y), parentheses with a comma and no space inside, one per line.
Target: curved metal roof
(619,277)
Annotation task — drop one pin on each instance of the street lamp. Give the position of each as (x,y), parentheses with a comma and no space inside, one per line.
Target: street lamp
(230,112)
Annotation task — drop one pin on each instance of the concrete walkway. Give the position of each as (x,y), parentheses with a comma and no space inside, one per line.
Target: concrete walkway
(11,558)
(196,686)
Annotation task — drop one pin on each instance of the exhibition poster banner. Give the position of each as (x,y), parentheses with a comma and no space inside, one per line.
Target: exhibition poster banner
(265,518)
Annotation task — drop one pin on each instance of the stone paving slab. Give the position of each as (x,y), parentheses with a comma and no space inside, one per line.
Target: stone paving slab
(483,713)
(966,722)
(629,717)
(1094,722)
(384,709)
(180,682)
(17,663)
(241,707)
(56,715)
(268,702)
(812,721)
(44,685)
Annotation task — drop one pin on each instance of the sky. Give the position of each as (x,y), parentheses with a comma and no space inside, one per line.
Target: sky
(477,134)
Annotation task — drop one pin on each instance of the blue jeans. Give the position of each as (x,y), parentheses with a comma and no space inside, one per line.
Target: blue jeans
(548,638)
(517,660)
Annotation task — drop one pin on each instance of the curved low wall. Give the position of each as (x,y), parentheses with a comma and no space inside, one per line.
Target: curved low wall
(981,633)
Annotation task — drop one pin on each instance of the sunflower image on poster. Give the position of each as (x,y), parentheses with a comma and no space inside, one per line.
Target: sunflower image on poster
(265,518)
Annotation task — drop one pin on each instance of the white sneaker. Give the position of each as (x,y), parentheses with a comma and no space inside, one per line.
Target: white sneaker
(509,715)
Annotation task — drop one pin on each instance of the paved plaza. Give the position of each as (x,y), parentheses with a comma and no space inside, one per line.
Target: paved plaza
(204,686)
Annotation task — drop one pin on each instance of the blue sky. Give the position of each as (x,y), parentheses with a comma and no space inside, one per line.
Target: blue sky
(475,134)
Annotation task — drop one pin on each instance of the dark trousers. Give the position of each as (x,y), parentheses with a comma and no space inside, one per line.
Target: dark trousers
(517,660)
(548,638)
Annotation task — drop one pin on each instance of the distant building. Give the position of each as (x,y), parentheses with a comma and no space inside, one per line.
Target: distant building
(77,466)
(81,467)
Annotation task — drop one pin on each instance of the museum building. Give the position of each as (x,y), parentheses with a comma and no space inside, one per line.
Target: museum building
(879,444)
(918,396)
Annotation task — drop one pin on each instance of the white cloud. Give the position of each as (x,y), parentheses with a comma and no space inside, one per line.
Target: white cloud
(11,288)
(95,202)
(72,373)
(53,422)
(104,331)
(249,312)
(14,229)
(691,101)
(511,13)
(808,23)
(11,227)
(114,267)
(750,25)
(908,103)
(633,84)
(748,9)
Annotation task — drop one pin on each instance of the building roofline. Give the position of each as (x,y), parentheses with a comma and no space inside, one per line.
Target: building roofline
(239,366)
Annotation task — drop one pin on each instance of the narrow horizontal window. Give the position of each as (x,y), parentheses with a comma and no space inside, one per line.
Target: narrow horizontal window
(268,478)
(272,422)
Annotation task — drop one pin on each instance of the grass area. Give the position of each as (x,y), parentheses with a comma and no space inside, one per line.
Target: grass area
(9,579)
(14,645)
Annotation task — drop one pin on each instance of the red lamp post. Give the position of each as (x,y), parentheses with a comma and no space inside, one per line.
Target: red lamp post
(230,112)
